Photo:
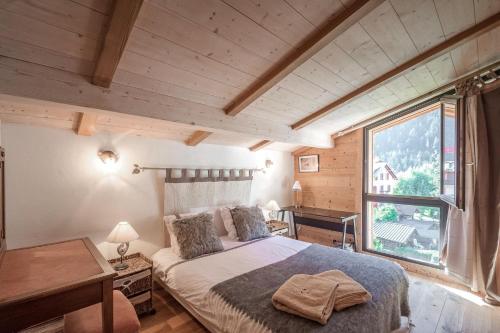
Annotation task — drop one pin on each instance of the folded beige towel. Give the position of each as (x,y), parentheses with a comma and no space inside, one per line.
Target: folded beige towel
(349,292)
(308,296)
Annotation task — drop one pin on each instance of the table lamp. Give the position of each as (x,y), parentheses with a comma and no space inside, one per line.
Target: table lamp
(123,233)
(296,188)
(273,208)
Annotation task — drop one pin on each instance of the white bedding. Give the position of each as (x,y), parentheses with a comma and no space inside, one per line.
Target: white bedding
(193,279)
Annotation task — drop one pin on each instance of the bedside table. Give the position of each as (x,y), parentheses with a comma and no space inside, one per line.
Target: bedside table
(278,228)
(136,282)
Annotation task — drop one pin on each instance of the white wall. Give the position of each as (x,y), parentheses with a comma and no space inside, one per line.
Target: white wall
(57,188)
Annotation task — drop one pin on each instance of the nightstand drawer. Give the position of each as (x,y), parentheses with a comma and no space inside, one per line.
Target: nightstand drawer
(134,284)
(142,303)
(140,298)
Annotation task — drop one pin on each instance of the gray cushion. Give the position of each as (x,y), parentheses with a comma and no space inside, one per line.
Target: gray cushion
(196,236)
(249,222)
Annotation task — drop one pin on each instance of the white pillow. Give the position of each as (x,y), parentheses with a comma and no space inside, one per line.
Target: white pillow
(225,213)
(199,210)
(216,213)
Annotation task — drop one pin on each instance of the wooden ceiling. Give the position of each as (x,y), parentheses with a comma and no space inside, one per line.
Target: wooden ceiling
(186,61)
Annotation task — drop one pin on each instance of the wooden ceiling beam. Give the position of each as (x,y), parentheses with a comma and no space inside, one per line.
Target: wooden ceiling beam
(260,145)
(197,137)
(70,90)
(324,35)
(432,53)
(121,23)
(86,124)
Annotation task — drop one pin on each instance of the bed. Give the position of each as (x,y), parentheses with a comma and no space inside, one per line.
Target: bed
(231,290)
(215,287)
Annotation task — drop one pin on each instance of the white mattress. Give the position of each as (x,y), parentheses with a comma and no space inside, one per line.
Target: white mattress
(193,279)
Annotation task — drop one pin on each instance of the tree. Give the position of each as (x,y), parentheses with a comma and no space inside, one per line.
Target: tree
(386,213)
(377,245)
(418,184)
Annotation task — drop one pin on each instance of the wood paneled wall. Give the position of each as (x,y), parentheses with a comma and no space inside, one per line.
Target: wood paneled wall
(337,185)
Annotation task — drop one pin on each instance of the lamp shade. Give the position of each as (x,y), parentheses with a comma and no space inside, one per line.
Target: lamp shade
(296,186)
(122,233)
(272,205)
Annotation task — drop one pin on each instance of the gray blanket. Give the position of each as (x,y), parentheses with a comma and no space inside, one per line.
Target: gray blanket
(388,283)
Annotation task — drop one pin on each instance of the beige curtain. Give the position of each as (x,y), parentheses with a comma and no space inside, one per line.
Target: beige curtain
(471,243)
(459,253)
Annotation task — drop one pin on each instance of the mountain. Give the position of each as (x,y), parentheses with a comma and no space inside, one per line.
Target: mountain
(410,144)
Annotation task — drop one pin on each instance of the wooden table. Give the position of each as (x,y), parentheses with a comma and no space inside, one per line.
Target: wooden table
(324,219)
(44,282)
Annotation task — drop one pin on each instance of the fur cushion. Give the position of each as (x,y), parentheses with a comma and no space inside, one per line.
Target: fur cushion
(249,223)
(218,221)
(196,236)
(168,220)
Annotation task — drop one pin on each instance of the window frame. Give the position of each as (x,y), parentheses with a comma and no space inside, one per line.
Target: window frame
(405,200)
(367,197)
(459,200)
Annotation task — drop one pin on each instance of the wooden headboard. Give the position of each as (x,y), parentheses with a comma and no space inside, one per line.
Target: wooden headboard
(3,242)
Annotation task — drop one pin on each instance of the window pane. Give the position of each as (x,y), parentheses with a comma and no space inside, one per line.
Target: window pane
(405,231)
(449,151)
(406,156)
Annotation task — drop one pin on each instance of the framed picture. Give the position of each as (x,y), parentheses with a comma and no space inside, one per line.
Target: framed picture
(309,163)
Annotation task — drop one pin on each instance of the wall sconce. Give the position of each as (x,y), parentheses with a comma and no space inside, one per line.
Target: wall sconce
(108,157)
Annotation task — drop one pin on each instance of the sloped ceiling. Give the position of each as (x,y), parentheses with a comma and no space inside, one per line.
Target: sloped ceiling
(204,53)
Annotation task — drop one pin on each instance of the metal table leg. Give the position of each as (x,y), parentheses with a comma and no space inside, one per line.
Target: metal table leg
(354,234)
(343,235)
(295,226)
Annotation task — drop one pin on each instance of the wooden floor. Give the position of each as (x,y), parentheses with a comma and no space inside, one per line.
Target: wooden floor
(439,308)
(170,316)
(435,308)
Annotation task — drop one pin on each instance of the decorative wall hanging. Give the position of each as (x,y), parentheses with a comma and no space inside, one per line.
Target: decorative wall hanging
(309,163)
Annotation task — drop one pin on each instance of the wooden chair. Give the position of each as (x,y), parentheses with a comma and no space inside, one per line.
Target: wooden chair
(88,320)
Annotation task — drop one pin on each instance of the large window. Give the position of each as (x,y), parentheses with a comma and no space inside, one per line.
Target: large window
(410,177)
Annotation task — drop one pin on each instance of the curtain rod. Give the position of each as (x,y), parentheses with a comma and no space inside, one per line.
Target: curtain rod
(138,169)
(480,74)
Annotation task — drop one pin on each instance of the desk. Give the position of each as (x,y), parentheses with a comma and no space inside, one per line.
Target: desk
(324,219)
(48,281)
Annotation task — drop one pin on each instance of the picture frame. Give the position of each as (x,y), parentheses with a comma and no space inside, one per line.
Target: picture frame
(309,163)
